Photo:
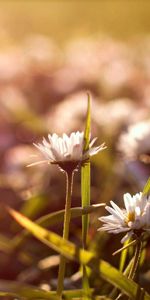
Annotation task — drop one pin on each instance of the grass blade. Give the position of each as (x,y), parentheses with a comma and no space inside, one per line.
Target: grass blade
(69,250)
(124,253)
(85,191)
(123,257)
(50,220)
(87,125)
(146,190)
(85,194)
(17,289)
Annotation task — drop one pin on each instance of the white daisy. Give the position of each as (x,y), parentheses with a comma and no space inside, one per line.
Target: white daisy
(134,219)
(67,149)
(135,143)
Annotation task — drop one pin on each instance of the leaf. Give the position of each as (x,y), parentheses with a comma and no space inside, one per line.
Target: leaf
(5,294)
(85,192)
(123,256)
(52,219)
(17,289)
(146,189)
(126,272)
(69,250)
(87,126)
(142,258)
(73,294)
(34,205)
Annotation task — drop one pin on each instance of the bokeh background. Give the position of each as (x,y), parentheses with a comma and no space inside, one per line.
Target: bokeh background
(51,54)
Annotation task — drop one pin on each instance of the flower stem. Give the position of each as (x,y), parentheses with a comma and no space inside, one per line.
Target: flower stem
(69,184)
(135,263)
(136,259)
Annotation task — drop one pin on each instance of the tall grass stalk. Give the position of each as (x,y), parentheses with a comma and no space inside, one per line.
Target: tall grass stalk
(67,215)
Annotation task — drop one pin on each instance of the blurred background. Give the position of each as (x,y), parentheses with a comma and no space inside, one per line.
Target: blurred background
(51,54)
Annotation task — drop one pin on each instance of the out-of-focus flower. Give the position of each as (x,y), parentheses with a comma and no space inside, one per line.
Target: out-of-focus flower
(136,142)
(67,149)
(122,112)
(67,115)
(13,101)
(134,219)
(16,175)
(118,111)
(41,53)
(12,66)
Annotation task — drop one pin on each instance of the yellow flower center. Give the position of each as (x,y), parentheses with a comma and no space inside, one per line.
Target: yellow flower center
(130,217)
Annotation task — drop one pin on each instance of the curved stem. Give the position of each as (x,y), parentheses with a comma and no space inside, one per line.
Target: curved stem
(136,259)
(135,263)
(69,184)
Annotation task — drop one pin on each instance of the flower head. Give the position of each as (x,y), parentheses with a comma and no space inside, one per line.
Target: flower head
(67,150)
(135,143)
(134,219)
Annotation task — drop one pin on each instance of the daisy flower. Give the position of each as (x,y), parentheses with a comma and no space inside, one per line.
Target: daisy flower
(135,143)
(66,151)
(134,219)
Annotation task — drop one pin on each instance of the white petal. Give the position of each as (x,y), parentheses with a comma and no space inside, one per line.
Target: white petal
(137,211)
(37,163)
(147,217)
(67,148)
(76,152)
(56,154)
(119,230)
(128,202)
(114,213)
(93,151)
(45,151)
(117,208)
(46,144)
(109,219)
(92,142)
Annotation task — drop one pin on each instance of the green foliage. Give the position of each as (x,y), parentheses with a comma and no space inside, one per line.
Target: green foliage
(69,250)
(85,193)
(25,291)
(88,125)
(146,190)
(16,289)
(47,221)
(123,257)
(85,175)
(34,205)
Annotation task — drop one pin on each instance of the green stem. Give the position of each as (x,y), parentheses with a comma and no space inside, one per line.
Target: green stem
(135,263)
(61,274)
(113,294)
(137,255)
(85,191)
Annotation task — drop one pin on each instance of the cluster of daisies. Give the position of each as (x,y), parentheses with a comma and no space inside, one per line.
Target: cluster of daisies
(134,219)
